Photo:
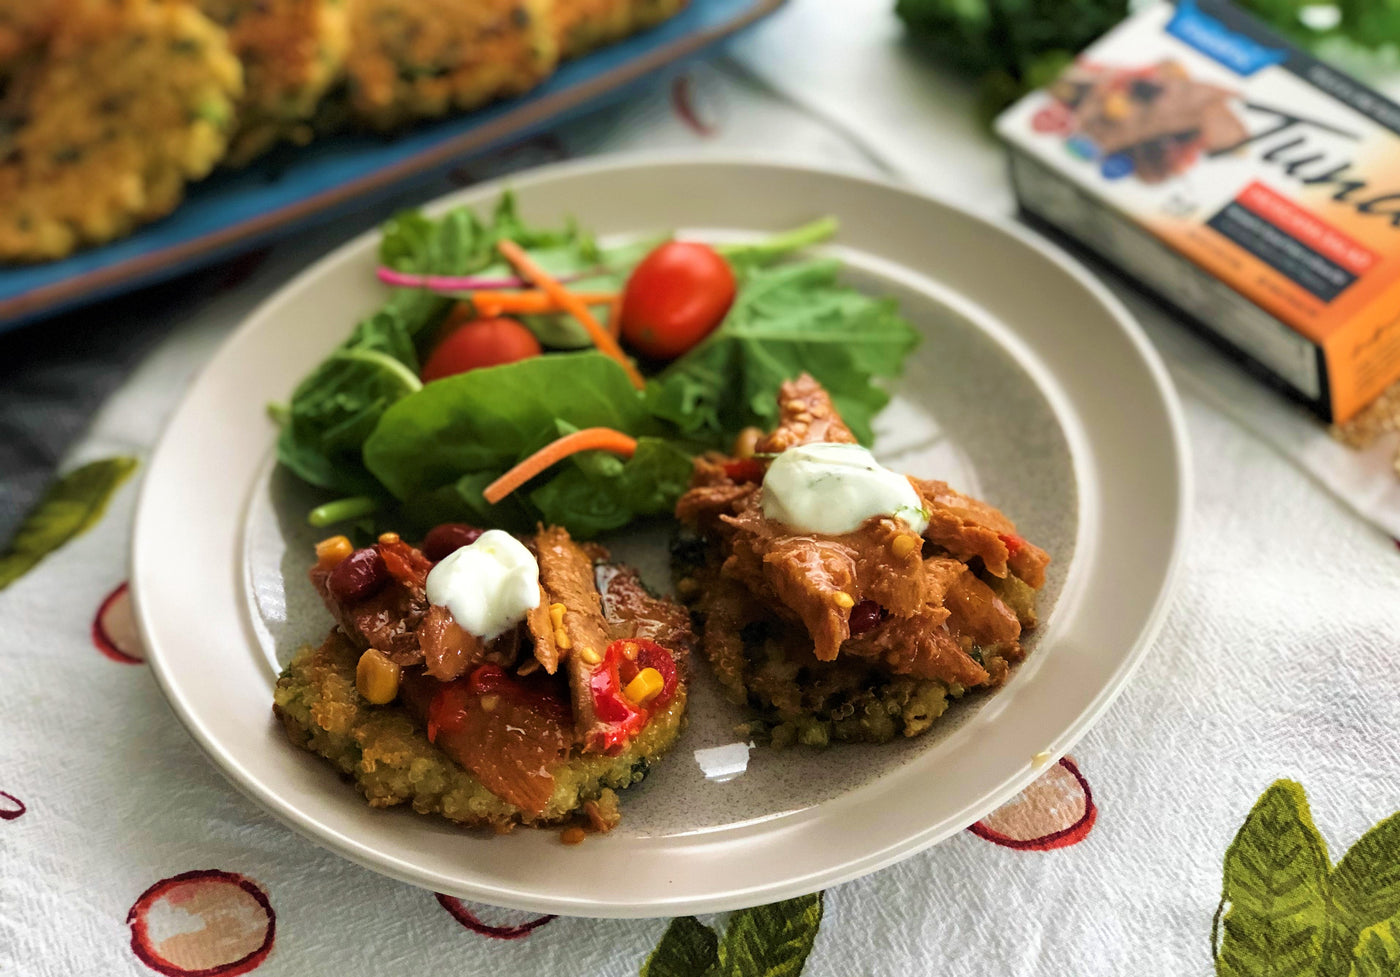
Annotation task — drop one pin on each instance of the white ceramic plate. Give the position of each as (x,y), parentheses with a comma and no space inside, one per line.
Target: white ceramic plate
(1032,388)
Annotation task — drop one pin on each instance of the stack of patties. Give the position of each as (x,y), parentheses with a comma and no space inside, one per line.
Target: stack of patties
(108,108)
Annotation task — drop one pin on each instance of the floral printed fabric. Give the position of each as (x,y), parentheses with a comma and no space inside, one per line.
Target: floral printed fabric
(122,851)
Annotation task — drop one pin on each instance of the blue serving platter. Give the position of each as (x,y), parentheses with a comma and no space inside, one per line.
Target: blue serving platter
(235,210)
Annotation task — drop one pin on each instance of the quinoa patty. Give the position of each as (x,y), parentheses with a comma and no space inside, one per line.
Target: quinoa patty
(132,99)
(581,26)
(413,59)
(391,761)
(293,53)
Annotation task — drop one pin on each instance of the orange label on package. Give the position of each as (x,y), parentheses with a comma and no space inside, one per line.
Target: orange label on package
(1240,179)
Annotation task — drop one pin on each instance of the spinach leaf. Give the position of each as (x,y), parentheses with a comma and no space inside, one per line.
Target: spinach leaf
(334,408)
(785,320)
(489,419)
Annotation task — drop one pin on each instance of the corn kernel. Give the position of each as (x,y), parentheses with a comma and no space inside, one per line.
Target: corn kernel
(377,678)
(388,539)
(843,600)
(590,656)
(562,639)
(332,550)
(571,835)
(903,545)
(556,615)
(746,442)
(1117,107)
(645,686)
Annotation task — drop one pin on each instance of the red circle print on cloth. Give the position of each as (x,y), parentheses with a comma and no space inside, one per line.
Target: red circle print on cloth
(504,930)
(11,806)
(114,629)
(204,923)
(696,103)
(1054,812)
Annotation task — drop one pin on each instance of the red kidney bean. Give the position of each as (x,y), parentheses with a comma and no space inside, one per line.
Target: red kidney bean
(359,576)
(865,616)
(448,538)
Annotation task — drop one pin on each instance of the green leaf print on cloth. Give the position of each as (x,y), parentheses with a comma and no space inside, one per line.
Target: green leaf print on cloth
(1378,951)
(70,507)
(1285,910)
(766,941)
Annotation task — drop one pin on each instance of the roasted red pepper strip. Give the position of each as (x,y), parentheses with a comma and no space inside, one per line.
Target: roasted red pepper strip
(624,719)
(745,470)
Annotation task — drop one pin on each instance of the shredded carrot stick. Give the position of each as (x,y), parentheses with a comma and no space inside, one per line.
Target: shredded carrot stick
(589,439)
(615,317)
(572,304)
(488,305)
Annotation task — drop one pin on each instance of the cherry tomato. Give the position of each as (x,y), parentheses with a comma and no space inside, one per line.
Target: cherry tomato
(482,342)
(675,298)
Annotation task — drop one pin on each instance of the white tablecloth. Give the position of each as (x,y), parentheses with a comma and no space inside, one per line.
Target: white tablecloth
(119,842)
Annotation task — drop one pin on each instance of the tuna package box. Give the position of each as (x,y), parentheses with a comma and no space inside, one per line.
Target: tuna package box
(1244,182)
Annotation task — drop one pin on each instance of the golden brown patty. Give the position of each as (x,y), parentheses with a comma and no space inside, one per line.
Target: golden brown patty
(293,52)
(583,25)
(132,99)
(24,26)
(412,59)
(392,762)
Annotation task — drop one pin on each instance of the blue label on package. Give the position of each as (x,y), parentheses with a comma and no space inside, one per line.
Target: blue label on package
(1240,53)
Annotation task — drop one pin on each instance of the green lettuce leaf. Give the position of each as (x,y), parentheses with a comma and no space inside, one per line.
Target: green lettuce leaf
(438,449)
(785,320)
(335,407)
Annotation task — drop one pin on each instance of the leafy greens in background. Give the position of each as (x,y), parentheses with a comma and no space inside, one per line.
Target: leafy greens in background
(1013,46)
(362,423)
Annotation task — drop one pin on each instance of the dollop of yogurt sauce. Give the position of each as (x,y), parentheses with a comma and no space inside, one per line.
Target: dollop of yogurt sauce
(488,586)
(832,488)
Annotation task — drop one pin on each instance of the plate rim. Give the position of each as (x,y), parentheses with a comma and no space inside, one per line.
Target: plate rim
(359,852)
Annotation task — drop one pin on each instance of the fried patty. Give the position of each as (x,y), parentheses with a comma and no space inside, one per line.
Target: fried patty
(415,59)
(581,26)
(24,26)
(293,53)
(389,757)
(133,99)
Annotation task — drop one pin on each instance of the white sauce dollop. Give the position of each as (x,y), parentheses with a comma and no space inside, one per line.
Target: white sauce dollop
(832,488)
(488,586)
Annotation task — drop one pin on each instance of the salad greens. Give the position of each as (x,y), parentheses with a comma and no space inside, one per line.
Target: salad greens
(1013,46)
(336,407)
(784,321)
(362,424)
